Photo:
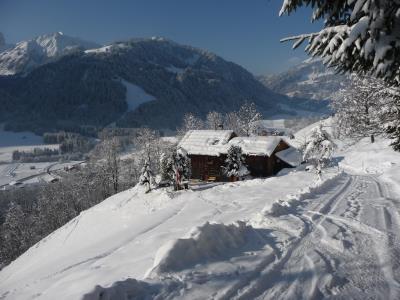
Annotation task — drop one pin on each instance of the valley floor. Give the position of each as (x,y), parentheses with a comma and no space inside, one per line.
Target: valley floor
(285,237)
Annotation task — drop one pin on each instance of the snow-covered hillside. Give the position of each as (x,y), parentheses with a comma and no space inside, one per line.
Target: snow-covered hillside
(178,78)
(284,237)
(27,55)
(309,80)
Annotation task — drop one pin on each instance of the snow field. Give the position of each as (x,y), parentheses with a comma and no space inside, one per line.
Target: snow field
(135,95)
(284,237)
(119,238)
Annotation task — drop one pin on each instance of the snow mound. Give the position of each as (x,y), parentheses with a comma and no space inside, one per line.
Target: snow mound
(211,241)
(128,289)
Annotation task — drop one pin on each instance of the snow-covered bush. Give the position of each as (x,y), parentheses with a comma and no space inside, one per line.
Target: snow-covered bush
(318,149)
(235,163)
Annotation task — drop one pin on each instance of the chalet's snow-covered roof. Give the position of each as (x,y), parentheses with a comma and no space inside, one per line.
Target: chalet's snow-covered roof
(257,145)
(206,142)
(291,156)
(217,142)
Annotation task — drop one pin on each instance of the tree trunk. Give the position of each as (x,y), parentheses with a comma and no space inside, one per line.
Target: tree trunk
(372,138)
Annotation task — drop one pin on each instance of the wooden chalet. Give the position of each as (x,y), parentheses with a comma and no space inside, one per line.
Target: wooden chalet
(207,149)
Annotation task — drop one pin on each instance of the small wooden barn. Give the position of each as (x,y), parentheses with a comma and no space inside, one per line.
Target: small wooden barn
(207,149)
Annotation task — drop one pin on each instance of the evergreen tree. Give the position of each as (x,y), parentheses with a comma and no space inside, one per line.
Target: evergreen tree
(181,168)
(146,178)
(235,163)
(175,168)
(359,36)
(318,149)
(166,170)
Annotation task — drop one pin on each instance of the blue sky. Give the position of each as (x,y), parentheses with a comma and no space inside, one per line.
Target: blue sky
(242,31)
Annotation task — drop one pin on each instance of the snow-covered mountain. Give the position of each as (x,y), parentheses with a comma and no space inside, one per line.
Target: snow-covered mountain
(309,80)
(139,82)
(27,55)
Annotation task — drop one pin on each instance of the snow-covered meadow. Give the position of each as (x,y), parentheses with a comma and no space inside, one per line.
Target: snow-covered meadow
(22,141)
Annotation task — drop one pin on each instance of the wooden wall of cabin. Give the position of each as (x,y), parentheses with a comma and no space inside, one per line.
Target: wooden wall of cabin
(264,166)
(207,167)
(259,166)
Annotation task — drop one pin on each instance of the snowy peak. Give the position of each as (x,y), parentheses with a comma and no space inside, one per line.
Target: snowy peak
(57,44)
(27,55)
(310,80)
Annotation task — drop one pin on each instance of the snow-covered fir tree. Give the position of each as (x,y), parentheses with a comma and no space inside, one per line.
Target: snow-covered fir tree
(235,166)
(248,116)
(175,168)
(166,173)
(182,169)
(318,148)
(358,107)
(361,36)
(146,177)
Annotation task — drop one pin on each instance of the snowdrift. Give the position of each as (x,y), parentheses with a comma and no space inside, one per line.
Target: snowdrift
(206,242)
(288,205)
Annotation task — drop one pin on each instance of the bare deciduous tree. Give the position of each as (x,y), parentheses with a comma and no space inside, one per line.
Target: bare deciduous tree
(214,120)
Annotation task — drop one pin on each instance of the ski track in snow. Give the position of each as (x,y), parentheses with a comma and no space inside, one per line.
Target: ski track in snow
(342,252)
(333,235)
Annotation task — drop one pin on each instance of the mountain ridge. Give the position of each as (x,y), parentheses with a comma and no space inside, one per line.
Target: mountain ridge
(311,79)
(86,88)
(27,55)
